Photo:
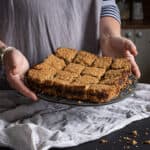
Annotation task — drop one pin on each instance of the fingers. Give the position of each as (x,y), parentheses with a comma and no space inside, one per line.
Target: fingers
(18,84)
(135,68)
(15,62)
(129,45)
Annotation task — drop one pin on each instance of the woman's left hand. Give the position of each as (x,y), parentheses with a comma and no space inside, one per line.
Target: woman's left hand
(121,47)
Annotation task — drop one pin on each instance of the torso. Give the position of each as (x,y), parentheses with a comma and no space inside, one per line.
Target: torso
(38,27)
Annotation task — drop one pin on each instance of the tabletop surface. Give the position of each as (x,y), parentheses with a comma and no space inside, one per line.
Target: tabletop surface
(119,140)
(116,140)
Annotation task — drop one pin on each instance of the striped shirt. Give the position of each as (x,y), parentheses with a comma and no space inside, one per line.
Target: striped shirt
(38,27)
(109,8)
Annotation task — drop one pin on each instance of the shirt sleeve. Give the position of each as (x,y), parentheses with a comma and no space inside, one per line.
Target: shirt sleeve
(110,8)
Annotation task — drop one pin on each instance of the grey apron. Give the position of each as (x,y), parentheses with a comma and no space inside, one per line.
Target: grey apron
(39,27)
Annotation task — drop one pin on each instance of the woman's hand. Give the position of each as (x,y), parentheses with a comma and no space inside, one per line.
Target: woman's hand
(121,47)
(16,66)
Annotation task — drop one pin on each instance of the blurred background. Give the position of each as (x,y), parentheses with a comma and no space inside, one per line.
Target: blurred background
(135,16)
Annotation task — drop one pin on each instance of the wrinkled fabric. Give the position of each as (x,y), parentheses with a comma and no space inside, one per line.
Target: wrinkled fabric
(42,125)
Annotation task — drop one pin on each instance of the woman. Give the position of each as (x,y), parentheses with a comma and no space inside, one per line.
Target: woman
(36,28)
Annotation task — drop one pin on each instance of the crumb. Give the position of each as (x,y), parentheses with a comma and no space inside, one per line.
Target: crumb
(127,138)
(147,142)
(130,90)
(103,141)
(136,146)
(133,142)
(146,133)
(134,133)
(79,102)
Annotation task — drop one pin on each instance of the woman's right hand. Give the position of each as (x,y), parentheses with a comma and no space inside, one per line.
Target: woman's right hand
(16,65)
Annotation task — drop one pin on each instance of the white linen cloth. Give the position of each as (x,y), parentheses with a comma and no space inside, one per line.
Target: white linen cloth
(43,125)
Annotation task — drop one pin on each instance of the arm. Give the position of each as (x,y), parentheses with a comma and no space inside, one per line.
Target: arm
(110,38)
(111,42)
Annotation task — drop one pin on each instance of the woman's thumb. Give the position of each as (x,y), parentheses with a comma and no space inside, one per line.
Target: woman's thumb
(14,70)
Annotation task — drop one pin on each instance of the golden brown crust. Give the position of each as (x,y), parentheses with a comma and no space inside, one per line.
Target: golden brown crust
(41,76)
(74,68)
(116,73)
(66,76)
(121,63)
(55,62)
(84,58)
(119,82)
(93,71)
(67,54)
(86,79)
(42,66)
(102,93)
(103,62)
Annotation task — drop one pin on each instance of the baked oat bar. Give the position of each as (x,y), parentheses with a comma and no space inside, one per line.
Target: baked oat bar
(57,87)
(119,81)
(86,79)
(74,68)
(116,73)
(41,76)
(101,93)
(67,54)
(84,58)
(121,63)
(76,91)
(93,71)
(55,62)
(103,62)
(66,76)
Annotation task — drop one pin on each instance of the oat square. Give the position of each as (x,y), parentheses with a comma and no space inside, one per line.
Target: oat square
(74,68)
(93,71)
(67,54)
(66,76)
(102,93)
(84,58)
(41,76)
(103,62)
(55,62)
(120,63)
(86,79)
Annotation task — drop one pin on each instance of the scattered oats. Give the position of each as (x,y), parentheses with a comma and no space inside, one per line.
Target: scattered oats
(136,146)
(130,90)
(133,142)
(134,133)
(104,141)
(127,138)
(79,102)
(147,142)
